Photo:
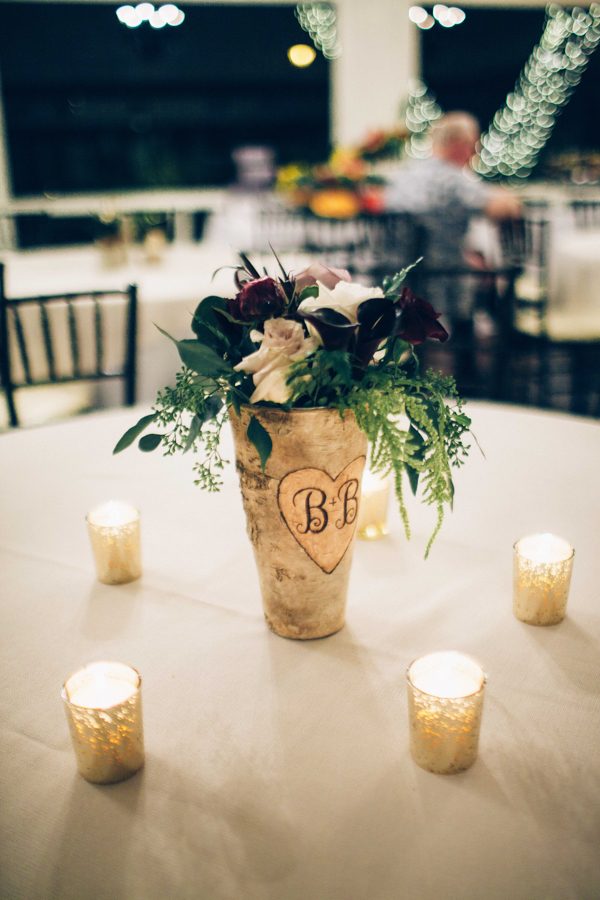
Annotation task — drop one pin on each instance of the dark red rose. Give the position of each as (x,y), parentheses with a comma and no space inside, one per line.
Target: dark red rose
(262,298)
(418,319)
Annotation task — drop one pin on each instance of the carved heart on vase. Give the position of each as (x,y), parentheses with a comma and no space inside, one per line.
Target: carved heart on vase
(321,512)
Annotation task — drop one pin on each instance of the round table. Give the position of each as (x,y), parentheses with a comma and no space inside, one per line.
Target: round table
(280,769)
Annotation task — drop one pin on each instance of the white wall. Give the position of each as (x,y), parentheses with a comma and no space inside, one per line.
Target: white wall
(379,56)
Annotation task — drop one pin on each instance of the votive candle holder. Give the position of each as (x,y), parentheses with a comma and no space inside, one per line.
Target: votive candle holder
(114,530)
(542,567)
(445,701)
(373,509)
(103,704)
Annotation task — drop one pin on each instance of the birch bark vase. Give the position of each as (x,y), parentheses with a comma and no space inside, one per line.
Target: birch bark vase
(301,513)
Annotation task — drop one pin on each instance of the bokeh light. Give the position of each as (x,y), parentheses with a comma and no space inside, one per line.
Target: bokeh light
(301,55)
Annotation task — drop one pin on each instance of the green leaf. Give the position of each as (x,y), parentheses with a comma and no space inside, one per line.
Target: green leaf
(392,283)
(204,312)
(418,442)
(280,264)
(149,442)
(398,347)
(433,412)
(202,359)
(413,478)
(166,333)
(227,315)
(130,435)
(198,357)
(312,290)
(214,325)
(195,426)
(212,407)
(261,439)
(210,337)
(252,270)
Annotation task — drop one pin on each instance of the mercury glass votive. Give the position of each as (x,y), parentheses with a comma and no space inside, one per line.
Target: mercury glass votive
(373,510)
(103,703)
(114,530)
(541,578)
(445,702)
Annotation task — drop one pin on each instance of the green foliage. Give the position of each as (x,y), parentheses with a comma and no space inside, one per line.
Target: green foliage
(192,415)
(428,448)
(132,433)
(261,439)
(414,422)
(149,442)
(393,283)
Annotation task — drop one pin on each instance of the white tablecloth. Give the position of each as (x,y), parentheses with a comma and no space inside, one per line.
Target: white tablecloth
(279,770)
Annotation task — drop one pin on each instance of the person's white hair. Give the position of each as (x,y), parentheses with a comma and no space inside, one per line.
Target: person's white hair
(455,128)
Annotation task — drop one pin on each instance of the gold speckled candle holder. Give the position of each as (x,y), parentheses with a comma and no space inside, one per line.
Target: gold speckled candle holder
(445,702)
(541,578)
(103,704)
(114,530)
(373,509)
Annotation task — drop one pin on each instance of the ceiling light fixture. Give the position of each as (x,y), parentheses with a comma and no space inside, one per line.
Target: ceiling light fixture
(167,14)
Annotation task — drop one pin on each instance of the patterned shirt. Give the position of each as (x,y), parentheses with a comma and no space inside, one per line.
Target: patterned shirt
(443,198)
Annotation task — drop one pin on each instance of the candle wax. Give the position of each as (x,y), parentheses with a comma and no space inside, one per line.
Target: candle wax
(544,548)
(113,514)
(101,692)
(446,674)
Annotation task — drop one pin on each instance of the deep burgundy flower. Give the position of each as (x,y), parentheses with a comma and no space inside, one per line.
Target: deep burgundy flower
(418,319)
(262,298)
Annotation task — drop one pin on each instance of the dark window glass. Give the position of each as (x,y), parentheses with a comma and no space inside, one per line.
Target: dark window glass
(93,105)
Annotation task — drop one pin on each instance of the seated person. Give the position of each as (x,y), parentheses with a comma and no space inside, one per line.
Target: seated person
(444,195)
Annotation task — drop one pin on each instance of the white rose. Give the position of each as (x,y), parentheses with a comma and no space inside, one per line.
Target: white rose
(282,344)
(345,298)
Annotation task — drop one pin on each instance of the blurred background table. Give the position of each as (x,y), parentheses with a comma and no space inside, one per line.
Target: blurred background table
(169,289)
(278,769)
(574,290)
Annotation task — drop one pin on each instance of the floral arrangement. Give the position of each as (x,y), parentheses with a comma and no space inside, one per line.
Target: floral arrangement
(315,339)
(384,144)
(341,188)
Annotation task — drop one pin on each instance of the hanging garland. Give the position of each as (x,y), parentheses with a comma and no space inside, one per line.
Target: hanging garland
(319,20)
(419,113)
(519,131)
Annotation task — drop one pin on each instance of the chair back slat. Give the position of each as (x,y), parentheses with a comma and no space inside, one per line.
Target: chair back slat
(131,373)
(5,377)
(73,340)
(41,340)
(49,346)
(98,337)
(21,343)
(586,213)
